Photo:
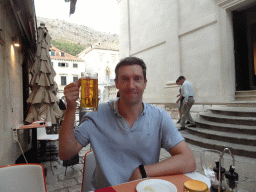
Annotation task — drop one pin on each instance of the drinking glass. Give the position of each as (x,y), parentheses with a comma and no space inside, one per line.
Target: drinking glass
(208,160)
(89,92)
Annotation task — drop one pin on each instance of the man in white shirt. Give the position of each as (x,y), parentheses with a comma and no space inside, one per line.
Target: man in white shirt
(188,93)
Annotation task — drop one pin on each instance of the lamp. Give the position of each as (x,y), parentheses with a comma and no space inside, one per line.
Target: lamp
(15,41)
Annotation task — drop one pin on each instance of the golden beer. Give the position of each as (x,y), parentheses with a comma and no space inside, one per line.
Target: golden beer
(89,92)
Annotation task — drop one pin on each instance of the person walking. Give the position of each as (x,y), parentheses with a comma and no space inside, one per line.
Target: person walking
(187,92)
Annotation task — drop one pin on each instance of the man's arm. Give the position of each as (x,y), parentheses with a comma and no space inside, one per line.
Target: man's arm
(181,161)
(68,145)
(185,93)
(180,96)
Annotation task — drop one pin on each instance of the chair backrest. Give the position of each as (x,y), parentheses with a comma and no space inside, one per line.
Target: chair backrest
(22,177)
(89,167)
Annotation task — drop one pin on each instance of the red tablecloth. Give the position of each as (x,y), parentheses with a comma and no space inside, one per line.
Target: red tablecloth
(177,180)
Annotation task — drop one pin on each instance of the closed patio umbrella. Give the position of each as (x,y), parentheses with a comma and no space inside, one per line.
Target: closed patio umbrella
(43,98)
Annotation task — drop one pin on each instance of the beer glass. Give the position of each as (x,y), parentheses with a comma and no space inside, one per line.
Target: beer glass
(89,92)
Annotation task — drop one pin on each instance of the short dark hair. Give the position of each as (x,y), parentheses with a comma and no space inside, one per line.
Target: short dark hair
(131,61)
(180,77)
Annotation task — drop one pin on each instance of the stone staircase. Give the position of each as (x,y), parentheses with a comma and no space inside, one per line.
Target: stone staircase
(232,126)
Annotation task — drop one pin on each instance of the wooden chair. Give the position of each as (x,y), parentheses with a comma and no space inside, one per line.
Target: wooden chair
(89,167)
(28,177)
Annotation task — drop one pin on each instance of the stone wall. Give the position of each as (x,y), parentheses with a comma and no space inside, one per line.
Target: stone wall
(11,91)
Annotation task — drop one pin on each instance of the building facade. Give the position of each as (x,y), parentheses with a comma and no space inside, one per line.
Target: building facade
(210,42)
(15,27)
(102,58)
(68,68)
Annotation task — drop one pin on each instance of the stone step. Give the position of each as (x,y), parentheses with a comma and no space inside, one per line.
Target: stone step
(250,92)
(224,127)
(245,98)
(235,111)
(228,119)
(236,149)
(242,104)
(236,138)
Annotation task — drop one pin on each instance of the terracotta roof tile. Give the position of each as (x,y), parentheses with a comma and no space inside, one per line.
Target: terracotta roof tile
(66,57)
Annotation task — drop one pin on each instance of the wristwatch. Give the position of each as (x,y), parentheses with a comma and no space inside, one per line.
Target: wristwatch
(142,171)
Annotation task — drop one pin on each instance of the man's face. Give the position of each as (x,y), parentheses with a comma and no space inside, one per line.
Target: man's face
(131,83)
(181,81)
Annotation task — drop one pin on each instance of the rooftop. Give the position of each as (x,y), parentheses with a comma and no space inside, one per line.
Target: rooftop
(65,56)
(112,46)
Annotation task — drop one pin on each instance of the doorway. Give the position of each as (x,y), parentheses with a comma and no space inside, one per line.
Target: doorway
(244,24)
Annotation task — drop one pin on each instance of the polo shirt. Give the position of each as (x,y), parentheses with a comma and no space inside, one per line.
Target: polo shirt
(119,149)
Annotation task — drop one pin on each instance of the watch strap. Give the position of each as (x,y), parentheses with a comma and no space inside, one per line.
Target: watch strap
(142,171)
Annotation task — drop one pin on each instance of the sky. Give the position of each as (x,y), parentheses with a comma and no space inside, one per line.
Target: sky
(101,15)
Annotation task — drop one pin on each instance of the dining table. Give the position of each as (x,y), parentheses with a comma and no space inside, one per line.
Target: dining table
(177,180)
(34,126)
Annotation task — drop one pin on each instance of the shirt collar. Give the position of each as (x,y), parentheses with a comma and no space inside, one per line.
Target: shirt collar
(114,105)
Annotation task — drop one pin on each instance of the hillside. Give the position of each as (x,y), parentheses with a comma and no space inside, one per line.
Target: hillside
(74,33)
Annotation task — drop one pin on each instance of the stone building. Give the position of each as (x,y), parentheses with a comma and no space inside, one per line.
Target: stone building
(17,26)
(211,42)
(102,58)
(68,68)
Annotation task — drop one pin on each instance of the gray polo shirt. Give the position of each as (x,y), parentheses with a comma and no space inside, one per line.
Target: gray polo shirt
(119,149)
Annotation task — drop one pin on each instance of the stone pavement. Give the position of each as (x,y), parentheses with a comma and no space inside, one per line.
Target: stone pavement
(58,182)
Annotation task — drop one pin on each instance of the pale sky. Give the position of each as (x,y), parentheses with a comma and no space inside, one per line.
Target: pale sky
(101,15)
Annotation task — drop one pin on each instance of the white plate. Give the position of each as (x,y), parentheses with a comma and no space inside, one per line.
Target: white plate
(156,185)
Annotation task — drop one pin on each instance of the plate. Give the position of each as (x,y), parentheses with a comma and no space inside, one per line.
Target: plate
(156,185)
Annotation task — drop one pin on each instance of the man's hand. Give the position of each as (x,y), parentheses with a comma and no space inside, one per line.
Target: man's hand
(135,175)
(71,93)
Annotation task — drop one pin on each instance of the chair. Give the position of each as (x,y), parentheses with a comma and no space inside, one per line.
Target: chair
(43,136)
(89,167)
(22,177)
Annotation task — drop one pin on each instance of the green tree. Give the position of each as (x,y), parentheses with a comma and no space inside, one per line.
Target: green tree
(70,48)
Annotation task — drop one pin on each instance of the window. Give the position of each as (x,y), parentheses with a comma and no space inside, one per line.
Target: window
(113,58)
(63,64)
(53,53)
(62,54)
(75,78)
(63,80)
(75,65)
(101,56)
(107,70)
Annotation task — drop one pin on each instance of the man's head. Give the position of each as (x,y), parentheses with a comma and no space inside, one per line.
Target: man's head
(131,79)
(131,61)
(180,80)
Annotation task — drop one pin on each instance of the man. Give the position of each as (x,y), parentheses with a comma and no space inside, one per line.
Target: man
(188,93)
(127,134)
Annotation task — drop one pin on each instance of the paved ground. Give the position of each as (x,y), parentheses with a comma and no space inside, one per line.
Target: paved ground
(58,182)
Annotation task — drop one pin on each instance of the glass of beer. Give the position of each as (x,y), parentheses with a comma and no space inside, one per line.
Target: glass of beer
(89,91)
